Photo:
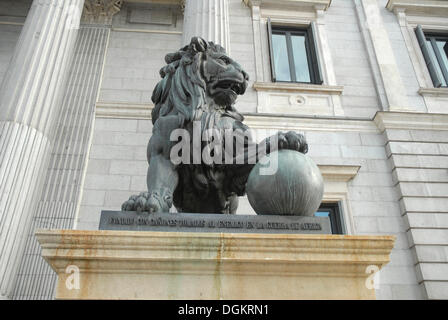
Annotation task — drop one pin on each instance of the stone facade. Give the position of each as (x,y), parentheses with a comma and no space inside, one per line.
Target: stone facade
(376,126)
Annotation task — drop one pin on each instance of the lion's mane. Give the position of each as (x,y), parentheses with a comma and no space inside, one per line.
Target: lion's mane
(182,90)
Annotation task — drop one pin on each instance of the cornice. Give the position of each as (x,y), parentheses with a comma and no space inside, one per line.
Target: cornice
(341,173)
(438,92)
(419,7)
(290,4)
(123,110)
(411,121)
(298,87)
(151,250)
(142,111)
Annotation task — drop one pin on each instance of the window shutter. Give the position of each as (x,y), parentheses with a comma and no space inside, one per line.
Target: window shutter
(271,51)
(318,79)
(430,62)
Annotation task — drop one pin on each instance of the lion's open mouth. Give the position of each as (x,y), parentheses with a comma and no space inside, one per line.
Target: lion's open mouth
(235,86)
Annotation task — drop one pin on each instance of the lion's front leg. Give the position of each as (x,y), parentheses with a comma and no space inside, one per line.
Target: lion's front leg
(162,180)
(162,177)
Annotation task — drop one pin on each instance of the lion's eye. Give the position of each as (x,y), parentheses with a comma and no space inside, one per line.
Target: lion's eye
(224,60)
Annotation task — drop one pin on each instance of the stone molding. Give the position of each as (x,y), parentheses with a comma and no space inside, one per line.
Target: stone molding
(342,173)
(336,178)
(290,4)
(123,110)
(100,11)
(438,92)
(298,87)
(432,7)
(186,265)
(142,111)
(411,121)
(147,31)
(298,98)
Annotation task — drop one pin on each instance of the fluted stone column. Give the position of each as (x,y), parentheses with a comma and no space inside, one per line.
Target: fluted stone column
(208,19)
(59,202)
(30,97)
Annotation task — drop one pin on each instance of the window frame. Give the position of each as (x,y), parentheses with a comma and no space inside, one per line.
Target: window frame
(431,36)
(311,49)
(335,216)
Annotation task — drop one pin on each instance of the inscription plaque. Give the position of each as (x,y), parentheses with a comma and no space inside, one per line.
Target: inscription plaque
(193,222)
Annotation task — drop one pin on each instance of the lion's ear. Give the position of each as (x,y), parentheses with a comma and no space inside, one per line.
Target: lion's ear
(198,44)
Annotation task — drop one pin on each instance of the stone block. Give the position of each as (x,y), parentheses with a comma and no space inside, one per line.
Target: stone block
(369,152)
(398,275)
(433,271)
(109,152)
(413,148)
(98,166)
(436,289)
(431,254)
(428,220)
(120,125)
(372,139)
(132,168)
(428,236)
(93,198)
(418,204)
(165,265)
(107,182)
(407,292)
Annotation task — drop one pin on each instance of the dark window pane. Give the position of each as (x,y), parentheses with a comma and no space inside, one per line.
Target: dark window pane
(281,62)
(300,59)
(437,66)
(331,210)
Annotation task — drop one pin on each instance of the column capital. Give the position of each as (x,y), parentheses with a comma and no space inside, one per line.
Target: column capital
(100,11)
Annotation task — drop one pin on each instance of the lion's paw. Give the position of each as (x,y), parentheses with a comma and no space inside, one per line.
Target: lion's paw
(156,201)
(293,141)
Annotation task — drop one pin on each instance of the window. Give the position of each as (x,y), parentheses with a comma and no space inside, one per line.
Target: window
(435,51)
(332,211)
(294,56)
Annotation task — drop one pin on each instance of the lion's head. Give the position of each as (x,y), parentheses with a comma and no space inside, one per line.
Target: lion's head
(196,76)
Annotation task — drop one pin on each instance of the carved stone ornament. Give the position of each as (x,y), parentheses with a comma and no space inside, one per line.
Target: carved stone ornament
(100,11)
(182,5)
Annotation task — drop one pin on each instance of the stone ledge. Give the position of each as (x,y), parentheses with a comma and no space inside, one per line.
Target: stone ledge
(438,92)
(298,88)
(343,173)
(180,265)
(433,7)
(291,4)
(140,111)
(411,121)
(125,110)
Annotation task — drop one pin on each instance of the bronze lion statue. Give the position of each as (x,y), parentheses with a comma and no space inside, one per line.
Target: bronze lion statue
(200,85)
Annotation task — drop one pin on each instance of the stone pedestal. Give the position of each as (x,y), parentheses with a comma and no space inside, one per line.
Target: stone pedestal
(180,265)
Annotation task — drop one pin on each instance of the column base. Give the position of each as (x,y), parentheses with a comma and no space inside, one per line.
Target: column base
(182,265)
